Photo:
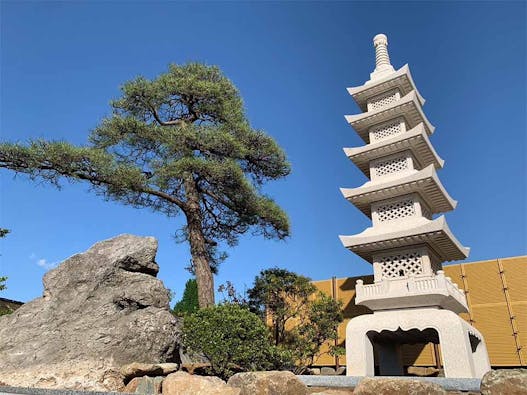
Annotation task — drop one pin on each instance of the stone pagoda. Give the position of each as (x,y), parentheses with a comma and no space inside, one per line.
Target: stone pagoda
(411,299)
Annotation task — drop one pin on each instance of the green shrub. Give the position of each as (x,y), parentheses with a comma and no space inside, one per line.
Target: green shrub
(231,337)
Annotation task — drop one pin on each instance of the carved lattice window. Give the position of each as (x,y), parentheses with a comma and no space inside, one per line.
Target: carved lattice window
(392,165)
(383,99)
(400,265)
(387,129)
(395,210)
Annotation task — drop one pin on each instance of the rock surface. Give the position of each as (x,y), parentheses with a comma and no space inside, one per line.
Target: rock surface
(144,385)
(182,383)
(422,371)
(331,391)
(268,383)
(100,309)
(380,386)
(136,369)
(327,371)
(504,382)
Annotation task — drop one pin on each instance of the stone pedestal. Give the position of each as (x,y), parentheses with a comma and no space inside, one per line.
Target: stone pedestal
(463,349)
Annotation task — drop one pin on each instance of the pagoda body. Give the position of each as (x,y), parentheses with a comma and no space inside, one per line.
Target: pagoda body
(411,299)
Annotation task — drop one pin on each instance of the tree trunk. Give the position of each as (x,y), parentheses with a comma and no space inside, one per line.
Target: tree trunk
(198,247)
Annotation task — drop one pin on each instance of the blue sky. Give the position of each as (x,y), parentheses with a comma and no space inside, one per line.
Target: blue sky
(62,62)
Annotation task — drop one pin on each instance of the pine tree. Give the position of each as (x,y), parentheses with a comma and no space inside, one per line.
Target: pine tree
(189,301)
(178,144)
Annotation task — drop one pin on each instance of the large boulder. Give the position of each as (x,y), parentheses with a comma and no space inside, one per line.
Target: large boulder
(390,386)
(101,309)
(504,382)
(268,383)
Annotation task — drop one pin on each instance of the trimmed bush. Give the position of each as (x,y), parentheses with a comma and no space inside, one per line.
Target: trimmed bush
(231,337)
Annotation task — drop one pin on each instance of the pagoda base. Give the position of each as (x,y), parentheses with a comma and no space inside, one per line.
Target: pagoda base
(464,353)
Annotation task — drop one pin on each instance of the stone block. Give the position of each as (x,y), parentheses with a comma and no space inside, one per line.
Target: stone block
(327,371)
(145,385)
(182,383)
(266,383)
(504,382)
(391,386)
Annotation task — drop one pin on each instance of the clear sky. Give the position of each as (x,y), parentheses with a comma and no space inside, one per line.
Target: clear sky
(62,62)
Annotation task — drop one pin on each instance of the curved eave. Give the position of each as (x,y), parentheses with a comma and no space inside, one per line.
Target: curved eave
(436,234)
(414,139)
(408,107)
(401,79)
(424,182)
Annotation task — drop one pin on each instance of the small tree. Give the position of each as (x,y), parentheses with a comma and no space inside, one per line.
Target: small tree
(231,295)
(317,326)
(279,295)
(301,319)
(189,301)
(230,337)
(180,143)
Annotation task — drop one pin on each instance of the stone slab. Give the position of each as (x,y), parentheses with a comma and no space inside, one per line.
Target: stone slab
(449,384)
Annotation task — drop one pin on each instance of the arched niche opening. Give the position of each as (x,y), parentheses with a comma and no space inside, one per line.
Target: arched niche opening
(395,351)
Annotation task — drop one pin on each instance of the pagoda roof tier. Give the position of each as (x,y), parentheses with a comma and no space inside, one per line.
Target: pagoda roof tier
(401,79)
(408,107)
(435,233)
(415,140)
(425,182)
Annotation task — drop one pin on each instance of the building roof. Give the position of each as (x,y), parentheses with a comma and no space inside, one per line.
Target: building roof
(11,301)
(415,139)
(425,182)
(401,79)
(435,234)
(408,107)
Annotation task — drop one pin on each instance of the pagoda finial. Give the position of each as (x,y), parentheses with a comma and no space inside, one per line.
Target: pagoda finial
(382,59)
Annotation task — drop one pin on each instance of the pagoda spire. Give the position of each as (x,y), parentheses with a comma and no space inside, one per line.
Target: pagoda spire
(382,58)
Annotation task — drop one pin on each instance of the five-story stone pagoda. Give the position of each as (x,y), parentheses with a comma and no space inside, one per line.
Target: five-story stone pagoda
(412,300)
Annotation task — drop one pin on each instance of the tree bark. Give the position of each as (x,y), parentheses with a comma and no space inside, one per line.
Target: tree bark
(198,246)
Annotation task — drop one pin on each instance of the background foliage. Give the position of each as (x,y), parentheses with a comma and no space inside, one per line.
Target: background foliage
(189,301)
(301,319)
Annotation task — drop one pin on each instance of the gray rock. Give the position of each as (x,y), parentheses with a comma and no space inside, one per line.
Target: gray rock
(422,371)
(144,385)
(340,371)
(327,371)
(137,369)
(504,382)
(314,371)
(103,305)
(168,368)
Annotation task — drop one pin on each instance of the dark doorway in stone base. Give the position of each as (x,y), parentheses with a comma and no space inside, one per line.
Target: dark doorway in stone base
(396,351)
